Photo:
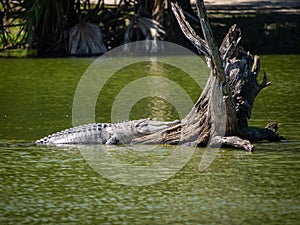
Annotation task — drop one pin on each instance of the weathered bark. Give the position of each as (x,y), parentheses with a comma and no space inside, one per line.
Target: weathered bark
(229,93)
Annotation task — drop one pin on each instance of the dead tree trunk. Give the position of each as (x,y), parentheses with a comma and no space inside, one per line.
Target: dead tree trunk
(220,116)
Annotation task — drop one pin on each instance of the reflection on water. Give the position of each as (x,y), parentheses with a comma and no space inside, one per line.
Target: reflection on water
(40,184)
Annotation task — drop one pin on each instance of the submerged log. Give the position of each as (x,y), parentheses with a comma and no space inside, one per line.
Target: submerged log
(221,114)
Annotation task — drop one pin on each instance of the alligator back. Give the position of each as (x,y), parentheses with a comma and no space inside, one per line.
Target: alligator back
(97,133)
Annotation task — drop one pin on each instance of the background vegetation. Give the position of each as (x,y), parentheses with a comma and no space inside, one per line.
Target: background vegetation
(90,27)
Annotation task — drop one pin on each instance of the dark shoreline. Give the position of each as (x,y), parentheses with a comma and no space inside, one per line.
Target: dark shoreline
(267,28)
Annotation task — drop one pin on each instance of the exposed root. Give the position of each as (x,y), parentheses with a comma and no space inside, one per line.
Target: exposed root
(232,141)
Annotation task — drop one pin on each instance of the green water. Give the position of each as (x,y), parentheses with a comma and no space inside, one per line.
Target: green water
(54,185)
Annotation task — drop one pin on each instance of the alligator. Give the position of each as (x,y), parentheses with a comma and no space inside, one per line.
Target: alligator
(106,133)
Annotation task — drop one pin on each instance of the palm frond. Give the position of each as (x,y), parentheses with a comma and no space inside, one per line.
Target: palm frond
(86,39)
(150,30)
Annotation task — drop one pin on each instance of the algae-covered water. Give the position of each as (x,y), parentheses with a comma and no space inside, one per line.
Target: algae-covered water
(58,185)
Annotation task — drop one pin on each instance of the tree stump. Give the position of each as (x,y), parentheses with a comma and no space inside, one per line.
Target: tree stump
(220,116)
